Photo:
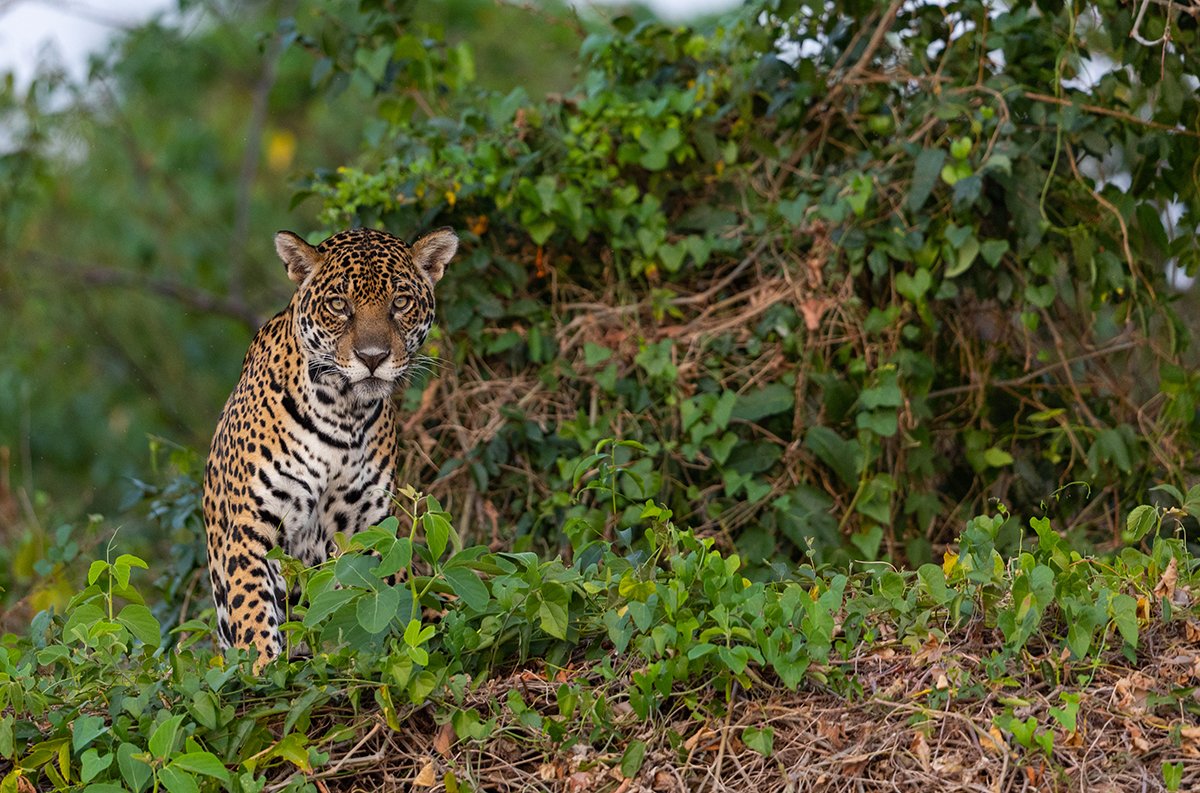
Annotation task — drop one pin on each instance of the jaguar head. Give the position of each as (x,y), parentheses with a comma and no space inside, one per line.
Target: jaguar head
(364,304)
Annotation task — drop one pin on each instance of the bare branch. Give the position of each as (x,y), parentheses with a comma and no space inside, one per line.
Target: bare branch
(200,300)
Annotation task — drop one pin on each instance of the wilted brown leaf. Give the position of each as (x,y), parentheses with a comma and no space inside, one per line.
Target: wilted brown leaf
(1136,739)
(444,740)
(1166,584)
(832,731)
(1131,691)
(698,736)
(428,775)
(920,748)
(580,780)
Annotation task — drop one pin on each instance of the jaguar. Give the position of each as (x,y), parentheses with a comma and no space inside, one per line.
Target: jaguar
(306,445)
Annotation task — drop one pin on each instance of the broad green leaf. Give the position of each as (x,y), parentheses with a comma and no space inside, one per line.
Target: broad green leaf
(135,771)
(141,623)
(845,457)
(177,780)
(376,610)
(164,737)
(204,763)
(1141,521)
(552,613)
(925,174)
(632,759)
(767,401)
(466,584)
(84,730)
(760,739)
(92,763)
(437,533)
(326,603)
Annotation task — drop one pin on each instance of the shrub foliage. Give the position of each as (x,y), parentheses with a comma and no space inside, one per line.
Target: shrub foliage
(846,270)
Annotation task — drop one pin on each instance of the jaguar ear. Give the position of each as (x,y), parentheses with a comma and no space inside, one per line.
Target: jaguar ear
(298,256)
(434,251)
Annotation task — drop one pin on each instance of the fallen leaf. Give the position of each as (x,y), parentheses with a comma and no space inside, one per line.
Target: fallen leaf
(834,732)
(444,739)
(1143,607)
(947,765)
(697,737)
(1136,739)
(993,741)
(428,775)
(548,772)
(920,748)
(1166,585)
(580,780)
(1130,692)
(1190,741)
(664,781)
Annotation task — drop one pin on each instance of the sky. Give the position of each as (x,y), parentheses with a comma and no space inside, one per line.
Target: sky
(76,27)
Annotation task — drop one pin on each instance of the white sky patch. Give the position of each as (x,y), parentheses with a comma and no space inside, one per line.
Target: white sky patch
(67,31)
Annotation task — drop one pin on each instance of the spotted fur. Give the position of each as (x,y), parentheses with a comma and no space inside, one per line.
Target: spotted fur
(306,444)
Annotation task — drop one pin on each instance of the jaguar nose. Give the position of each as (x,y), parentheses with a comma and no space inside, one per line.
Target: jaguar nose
(373,356)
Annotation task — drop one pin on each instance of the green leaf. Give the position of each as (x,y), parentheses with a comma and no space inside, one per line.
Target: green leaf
(965,257)
(845,457)
(177,780)
(135,771)
(768,401)
(914,286)
(326,603)
(631,761)
(376,610)
(84,730)
(466,584)
(437,533)
(204,763)
(92,763)
(934,579)
(1141,521)
(993,250)
(163,739)
(1123,610)
(760,739)
(997,458)
(397,558)
(925,175)
(552,613)
(141,623)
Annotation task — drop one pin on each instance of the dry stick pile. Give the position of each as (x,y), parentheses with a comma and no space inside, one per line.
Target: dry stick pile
(888,739)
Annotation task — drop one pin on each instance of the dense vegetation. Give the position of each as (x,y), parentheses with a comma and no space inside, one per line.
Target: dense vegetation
(878,300)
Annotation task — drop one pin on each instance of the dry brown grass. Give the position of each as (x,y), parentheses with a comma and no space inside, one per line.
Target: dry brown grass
(890,737)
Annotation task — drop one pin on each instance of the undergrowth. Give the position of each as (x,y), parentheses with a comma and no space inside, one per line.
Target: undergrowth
(100,697)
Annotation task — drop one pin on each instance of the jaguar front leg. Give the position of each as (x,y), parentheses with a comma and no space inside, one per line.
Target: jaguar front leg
(251,597)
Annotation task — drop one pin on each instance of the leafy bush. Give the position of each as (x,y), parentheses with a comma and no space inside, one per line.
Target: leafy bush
(847,271)
(99,696)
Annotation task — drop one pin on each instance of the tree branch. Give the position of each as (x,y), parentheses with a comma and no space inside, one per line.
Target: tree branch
(192,297)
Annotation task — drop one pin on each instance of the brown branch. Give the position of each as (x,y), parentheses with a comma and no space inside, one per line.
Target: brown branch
(192,297)
(1035,374)
(1108,111)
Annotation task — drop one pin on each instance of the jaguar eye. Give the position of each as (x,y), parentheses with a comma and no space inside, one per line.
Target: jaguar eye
(402,303)
(337,305)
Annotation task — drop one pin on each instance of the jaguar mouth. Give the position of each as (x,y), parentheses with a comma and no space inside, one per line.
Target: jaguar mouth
(372,387)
